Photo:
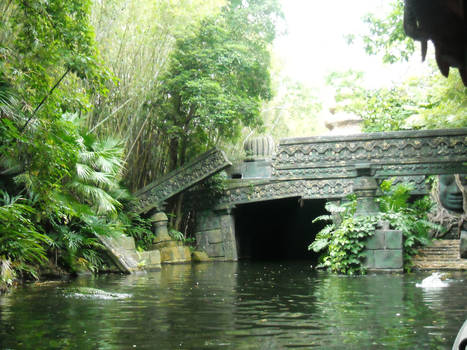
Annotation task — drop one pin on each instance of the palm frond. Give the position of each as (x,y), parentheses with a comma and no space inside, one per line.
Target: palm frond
(25,180)
(108,156)
(102,179)
(98,198)
(8,100)
(83,171)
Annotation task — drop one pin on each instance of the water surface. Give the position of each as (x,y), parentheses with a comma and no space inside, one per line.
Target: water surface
(235,306)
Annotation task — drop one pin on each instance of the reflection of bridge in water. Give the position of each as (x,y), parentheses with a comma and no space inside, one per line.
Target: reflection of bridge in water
(304,173)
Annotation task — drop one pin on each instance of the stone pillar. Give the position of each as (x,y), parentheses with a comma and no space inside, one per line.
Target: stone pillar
(159,224)
(208,233)
(365,188)
(258,163)
(227,222)
(384,251)
(170,251)
(215,234)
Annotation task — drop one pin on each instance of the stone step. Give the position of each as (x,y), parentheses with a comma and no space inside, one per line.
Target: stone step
(428,259)
(121,249)
(453,255)
(442,248)
(445,250)
(439,251)
(440,255)
(438,242)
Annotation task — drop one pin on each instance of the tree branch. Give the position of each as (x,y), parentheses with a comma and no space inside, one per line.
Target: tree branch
(44,99)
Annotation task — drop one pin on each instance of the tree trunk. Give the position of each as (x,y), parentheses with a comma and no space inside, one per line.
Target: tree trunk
(173,154)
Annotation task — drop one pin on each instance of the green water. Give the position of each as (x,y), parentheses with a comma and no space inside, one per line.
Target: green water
(235,306)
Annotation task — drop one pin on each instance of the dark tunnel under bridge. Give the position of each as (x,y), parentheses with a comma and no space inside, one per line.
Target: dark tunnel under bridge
(278,230)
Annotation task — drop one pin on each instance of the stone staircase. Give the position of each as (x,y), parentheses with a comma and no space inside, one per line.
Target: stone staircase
(122,250)
(440,255)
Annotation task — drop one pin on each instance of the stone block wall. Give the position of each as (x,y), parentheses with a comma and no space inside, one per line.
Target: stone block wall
(215,234)
(384,251)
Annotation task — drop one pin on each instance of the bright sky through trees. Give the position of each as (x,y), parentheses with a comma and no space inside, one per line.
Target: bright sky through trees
(315,43)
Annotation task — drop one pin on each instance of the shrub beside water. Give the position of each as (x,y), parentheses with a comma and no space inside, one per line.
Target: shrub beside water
(342,242)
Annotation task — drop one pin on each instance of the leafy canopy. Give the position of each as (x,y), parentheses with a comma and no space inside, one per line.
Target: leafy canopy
(219,74)
(386,35)
(420,102)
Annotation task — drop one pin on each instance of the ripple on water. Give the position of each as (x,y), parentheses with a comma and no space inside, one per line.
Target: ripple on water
(217,306)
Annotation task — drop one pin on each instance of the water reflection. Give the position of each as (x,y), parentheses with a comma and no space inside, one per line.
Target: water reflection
(236,306)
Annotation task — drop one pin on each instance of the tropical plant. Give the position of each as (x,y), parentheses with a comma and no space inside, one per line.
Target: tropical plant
(22,245)
(75,245)
(98,171)
(88,203)
(343,241)
(139,228)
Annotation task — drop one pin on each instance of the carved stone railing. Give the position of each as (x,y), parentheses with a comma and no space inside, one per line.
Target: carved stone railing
(400,153)
(327,167)
(180,179)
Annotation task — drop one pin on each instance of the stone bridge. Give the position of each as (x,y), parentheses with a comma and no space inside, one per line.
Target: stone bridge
(273,195)
(306,172)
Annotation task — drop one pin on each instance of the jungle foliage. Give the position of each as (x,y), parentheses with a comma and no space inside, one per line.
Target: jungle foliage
(191,89)
(136,39)
(95,96)
(56,181)
(343,241)
(427,101)
(421,102)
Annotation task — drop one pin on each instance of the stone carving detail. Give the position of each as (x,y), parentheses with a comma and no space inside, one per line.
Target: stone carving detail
(324,167)
(259,147)
(307,189)
(181,179)
(395,153)
(314,173)
(420,169)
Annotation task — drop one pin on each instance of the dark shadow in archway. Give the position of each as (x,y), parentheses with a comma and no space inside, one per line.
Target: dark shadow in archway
(278,230)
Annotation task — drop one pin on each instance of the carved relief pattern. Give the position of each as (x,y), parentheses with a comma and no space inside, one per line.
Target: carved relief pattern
(314,173)
(419,169)
(325,167)
(309,159)
(181,179)
(308,189)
